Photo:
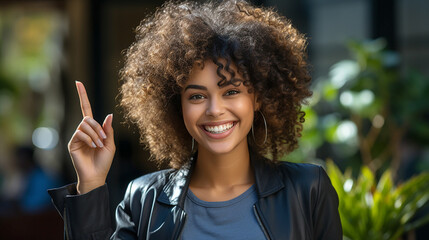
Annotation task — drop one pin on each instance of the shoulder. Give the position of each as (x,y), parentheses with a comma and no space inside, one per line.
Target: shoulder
(306,178)
(309,181)
(157,177)
(151,181)
(301,172)
(298,168)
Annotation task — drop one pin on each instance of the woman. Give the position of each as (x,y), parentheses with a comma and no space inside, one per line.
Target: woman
(216,90)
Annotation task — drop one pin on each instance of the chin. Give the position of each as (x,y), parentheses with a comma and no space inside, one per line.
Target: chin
(221,148)
(218,149)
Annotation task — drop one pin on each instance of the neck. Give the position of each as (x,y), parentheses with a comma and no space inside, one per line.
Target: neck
(221,171)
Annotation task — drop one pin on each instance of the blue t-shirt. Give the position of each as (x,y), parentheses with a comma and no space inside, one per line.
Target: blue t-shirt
(232,219)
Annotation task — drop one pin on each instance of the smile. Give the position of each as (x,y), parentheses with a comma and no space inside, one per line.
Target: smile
(219,128)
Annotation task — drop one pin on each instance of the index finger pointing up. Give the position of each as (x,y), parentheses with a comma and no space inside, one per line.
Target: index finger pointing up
(84,101)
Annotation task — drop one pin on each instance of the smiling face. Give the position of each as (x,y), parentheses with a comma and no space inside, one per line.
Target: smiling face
(219,118)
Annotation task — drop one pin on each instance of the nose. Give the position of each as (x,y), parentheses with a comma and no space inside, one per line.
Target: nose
(215,107)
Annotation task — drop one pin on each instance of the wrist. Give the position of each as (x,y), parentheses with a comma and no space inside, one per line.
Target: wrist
(85,187)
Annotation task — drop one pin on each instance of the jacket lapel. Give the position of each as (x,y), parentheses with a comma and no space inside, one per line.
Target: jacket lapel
(267,177)
(268,180)
(170,216)
(174,192)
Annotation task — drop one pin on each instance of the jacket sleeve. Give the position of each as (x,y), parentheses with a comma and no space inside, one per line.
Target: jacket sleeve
(85,216)
(327,224)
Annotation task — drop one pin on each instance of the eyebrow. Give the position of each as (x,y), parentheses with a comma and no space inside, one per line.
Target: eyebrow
(195,87)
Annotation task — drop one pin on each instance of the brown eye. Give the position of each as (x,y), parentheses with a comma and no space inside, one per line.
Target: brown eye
(232,92)
(196,97)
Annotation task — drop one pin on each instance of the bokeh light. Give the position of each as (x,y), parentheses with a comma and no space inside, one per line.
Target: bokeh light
(45,138)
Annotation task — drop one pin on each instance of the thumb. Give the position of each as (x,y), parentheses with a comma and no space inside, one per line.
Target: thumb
(108,129)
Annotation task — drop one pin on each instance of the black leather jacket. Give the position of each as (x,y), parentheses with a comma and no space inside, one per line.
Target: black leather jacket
(296,201)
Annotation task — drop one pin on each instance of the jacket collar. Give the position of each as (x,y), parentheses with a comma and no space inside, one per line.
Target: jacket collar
(267,178)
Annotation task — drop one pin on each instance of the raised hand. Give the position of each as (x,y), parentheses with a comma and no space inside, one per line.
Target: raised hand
(91,147)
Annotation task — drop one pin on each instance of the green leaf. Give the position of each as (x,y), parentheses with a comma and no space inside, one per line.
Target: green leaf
(371,210)
(385,184)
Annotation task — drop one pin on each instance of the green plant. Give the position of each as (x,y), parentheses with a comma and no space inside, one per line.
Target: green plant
(378,211)
(366,111)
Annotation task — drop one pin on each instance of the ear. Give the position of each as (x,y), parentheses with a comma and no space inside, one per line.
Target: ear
(257,103)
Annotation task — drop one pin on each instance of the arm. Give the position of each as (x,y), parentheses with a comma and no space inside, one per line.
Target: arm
(86,216)
(84,206)
(327,224)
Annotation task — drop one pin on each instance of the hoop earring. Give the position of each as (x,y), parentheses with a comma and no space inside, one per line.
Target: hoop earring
(193,144)
(266,130)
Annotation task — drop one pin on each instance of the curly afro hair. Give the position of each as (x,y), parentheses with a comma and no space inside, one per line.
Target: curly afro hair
(267,51)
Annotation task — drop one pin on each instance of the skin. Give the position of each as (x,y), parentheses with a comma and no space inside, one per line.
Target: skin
(91,147)
(223,169)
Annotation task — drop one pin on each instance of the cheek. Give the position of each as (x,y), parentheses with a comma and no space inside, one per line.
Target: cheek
(248,104)
(190,113)
(186,115)
(245,109)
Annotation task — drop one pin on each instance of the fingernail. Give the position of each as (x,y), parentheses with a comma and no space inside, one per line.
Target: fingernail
(93,145)
(103,135)
(100,144)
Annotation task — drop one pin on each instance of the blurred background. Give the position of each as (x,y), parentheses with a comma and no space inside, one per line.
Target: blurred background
(369,114)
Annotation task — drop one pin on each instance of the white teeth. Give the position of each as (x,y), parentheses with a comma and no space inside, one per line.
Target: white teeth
(219,129)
